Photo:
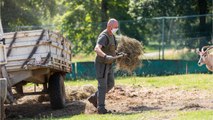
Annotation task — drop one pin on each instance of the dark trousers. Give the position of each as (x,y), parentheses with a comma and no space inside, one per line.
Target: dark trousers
(105,77)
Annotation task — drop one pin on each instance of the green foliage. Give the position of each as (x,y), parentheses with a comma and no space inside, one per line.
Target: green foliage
(158,8)
(81,21)
(186,27)
(189,56)
(78,24)
(119,9)
(25,12)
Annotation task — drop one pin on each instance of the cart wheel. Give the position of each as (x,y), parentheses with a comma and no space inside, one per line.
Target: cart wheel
(57,91)
(2,111)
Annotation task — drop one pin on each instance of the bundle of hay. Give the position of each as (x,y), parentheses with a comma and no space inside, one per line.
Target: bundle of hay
(134,49)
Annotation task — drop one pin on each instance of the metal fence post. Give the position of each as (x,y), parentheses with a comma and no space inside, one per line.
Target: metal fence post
(163,36)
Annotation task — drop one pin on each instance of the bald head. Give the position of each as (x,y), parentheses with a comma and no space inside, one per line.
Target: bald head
(112,24)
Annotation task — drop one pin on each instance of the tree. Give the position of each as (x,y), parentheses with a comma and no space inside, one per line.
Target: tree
(202,7)
(25,12)
(104,15)
(186,27)
(80,23)
(119,9)
(85,19)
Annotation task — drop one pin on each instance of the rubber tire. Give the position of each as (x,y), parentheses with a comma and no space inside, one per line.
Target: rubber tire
(57,91)
(2,110)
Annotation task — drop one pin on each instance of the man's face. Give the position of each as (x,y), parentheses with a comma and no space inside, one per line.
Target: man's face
(114,28)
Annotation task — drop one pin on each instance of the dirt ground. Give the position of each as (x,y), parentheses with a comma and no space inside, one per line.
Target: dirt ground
(121,100)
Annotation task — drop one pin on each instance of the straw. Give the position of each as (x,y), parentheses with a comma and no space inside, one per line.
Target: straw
(134,49)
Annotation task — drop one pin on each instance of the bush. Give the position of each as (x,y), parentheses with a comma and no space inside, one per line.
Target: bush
(189,56)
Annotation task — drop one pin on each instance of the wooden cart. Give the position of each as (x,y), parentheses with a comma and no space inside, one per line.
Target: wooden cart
(38,56)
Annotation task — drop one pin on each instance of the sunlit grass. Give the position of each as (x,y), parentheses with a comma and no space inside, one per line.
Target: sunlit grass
(169,54)
(104,117)
(200,81)
(172,54)
(146,115)
(195,115)
(83,57)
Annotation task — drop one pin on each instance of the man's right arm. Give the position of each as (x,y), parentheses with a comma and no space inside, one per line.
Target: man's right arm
(99,51)
(101,43)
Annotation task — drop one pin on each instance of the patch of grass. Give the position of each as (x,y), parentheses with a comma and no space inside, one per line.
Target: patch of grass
(195,115)
(146,115)
(153,48)
(83,57)
(169,54)
(81,82)
(189,56)
(104,117)
(172,54)
(199,81)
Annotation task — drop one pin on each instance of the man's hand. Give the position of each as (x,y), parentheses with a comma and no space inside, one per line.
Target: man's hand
(109,57)
(121,54)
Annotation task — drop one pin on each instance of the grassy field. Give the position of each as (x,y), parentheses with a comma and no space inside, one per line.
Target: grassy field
(147,115)
(83,58)
(169,54)
(186,82)
(200,81)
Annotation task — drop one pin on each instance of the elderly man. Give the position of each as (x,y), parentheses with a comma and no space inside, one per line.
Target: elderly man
(105,49)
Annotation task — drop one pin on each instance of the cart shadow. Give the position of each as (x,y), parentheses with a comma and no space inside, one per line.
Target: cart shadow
(39,110)
(143,108)
(137,109)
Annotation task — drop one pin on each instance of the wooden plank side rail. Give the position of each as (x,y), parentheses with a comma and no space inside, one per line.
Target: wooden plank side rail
(28,48)
(34,49)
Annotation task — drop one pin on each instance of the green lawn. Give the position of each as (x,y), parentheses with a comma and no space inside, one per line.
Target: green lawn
(147,115)
(84,57)
(169,54)
(200,81)
(195,115)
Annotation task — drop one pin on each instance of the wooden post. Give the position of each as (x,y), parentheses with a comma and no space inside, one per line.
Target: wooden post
(3,93)
(2,111)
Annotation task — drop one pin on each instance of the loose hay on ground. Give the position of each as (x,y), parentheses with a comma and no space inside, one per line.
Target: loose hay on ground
(134,49)
(79,93)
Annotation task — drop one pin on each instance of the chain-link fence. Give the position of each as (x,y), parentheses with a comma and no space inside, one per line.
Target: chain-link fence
(171,37)
(163,37)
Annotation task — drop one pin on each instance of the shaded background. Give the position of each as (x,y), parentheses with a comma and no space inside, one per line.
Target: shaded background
(172,30)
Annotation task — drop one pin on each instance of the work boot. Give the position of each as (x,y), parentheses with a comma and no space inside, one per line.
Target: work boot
(93,100)
(103,111)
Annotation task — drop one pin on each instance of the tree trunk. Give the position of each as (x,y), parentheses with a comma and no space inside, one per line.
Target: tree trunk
(104,16)
(202,5)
